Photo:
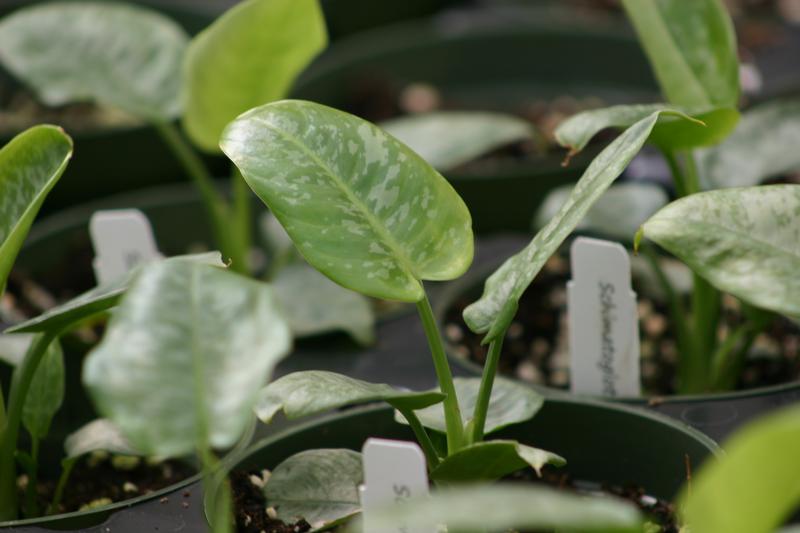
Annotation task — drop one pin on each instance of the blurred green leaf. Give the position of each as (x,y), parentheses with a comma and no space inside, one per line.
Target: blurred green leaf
(118,55)
(184,357)
(743,241)
(510,403)
(754,487)
(30,165)
(616,215)
(250,56)
(692,49)
(315,391)
(491,460)
(447,139)
(360,206)
(763,146)
(320,486)
(46,392)
(313,304)
(500,507)
(98,435)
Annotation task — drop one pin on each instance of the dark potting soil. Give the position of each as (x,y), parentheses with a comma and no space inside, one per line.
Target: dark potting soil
(102,479)
(253,513)
(536,348)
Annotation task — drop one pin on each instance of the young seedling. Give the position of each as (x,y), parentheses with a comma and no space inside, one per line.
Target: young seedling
(141,62)
(698,73)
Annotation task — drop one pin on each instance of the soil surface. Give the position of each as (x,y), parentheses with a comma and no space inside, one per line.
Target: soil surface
(536,346)
(253,515)
(101,479)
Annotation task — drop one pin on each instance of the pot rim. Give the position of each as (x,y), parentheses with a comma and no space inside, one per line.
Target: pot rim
(458,287)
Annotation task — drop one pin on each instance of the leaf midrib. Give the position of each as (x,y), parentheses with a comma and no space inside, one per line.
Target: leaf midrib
(401,257)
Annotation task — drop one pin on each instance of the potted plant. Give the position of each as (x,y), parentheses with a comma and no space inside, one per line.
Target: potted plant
(696,335)
(365,243)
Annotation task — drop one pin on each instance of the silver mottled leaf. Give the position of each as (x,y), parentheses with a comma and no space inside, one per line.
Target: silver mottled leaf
(491,460)
(320,486)
(360,206)
(184,356)
(743,241)
(493,312)
(315,391)
(119,55)
(97,435)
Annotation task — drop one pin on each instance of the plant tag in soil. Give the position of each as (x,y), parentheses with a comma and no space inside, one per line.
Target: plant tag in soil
(122,239)
(394,471)
(603,324)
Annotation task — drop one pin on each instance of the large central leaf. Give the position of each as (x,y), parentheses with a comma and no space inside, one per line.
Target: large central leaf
(496,308)
(692,49)
(119,55)
(30,166)
(743,241)
(361,207)
(250,56)
(184,357)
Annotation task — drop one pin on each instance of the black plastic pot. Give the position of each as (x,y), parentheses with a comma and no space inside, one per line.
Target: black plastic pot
(601,442)
(717,415)
(488,59)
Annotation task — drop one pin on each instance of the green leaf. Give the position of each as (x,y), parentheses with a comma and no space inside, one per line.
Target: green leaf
(510,403)
(491,460)
(98,435)
(320,486)
(754,486)
(30,166)
(675,129)
(447,139)
(616,215)
(315,391)
(313,304)
(184,357)
(743,241)
(500,507)
(46,392)
(360,206)
(763,146)
(250,56)
(97,300)
(692,49)
(496,308)
(118,55)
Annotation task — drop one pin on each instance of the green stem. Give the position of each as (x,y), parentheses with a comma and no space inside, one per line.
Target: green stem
(452,412)
(691,177)
(423,438)
(216,205)
(705,314)
(678,178)
(20,384)
(241,222)
(2,410)
(31,505)
(66,470)
(485,391)
(219,511)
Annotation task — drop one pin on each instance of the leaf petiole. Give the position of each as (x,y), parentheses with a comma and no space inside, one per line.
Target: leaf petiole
(478,421)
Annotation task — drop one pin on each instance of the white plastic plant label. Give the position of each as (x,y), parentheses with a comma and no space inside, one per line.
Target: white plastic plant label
(394,471)
(603,325)
(122,239)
